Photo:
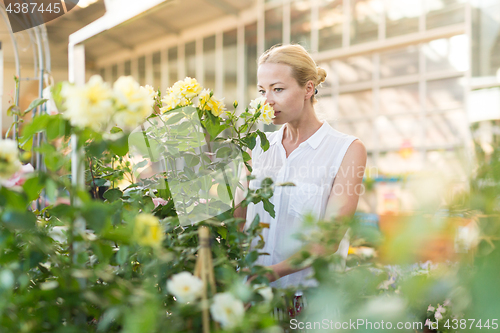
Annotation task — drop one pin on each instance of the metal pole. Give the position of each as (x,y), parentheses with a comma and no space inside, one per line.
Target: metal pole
(48,68)
(18,68)
(76,62)
(76,73)
(40,204)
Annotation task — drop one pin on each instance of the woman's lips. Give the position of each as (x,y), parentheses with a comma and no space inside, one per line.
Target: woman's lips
(277,112)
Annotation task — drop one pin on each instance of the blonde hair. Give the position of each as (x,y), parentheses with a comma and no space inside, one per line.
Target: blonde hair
(304,68)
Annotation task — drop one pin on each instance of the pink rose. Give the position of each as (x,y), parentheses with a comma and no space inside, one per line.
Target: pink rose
(19,177)
(159,201)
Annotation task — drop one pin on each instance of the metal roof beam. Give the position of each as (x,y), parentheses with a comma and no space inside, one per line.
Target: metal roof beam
(223,5)
(163,25)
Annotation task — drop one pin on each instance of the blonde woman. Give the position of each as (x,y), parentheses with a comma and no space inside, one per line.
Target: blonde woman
(326,166)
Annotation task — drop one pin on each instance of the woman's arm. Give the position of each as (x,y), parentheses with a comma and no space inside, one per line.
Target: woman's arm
(342,202)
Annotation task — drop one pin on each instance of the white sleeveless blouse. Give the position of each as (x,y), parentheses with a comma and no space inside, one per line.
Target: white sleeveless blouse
(312,167)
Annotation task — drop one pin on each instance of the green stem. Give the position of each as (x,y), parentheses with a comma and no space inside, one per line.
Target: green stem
(249,128)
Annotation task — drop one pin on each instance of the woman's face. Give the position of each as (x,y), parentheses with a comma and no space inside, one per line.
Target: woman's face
(282,91)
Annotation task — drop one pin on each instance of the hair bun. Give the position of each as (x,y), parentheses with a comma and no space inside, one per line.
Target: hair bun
(321,75)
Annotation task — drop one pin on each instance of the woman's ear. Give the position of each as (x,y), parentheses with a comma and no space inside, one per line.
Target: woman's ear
(309,90)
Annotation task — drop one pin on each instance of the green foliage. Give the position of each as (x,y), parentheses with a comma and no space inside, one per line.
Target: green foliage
(80,267)
(57,276)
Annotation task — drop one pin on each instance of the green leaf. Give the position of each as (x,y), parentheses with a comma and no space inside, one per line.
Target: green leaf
(246,156)
(115,130)
(19,220)
(118,234)
(116,208)
(250,140)
(51,190)
(251,257)
(142,318)
(46,148)
(269,207)
(113,194)
(56,95)
(54,160)
(222,231)
(141,164)
(248,166)
(122,255)
(108,318)
(13,110)
(62,211)
(139,141)
(38,124)
(223,152)
(147,202)
(120,146)
(34,104)
(266,182)
(103,251)
(255,222)
(206,182)
(213,126)
(264,143)
(26,145)
(191,159)
(12,199)
(56,127)
(189,173)
(32,187)
(175,118)
(243,128)
(96,214)
(96,148)
(223,193)
(286,184)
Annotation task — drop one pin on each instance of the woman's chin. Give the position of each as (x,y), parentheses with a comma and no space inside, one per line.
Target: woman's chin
(277,120)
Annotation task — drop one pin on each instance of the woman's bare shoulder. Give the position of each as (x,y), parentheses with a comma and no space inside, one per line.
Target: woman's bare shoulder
(356,153)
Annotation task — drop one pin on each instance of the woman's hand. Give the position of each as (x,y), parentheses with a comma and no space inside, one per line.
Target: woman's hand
(272,275)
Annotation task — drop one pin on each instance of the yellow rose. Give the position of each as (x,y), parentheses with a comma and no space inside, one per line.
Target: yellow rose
(147,230)
(210,103)
(172,100)
(267,114)
(135,103)
(188,88)
(266,110)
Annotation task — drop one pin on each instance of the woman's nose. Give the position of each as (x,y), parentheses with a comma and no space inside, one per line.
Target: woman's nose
(269,99)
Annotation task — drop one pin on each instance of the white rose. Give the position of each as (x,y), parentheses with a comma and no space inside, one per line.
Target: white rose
(90,105)
(9,159)
(365,252)
(19,177)
(134,103)
(185,287)
(254,104)
(265,291)
(227,310)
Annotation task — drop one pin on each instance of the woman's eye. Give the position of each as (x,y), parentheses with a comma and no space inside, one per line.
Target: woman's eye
(262,92)
(278,89)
